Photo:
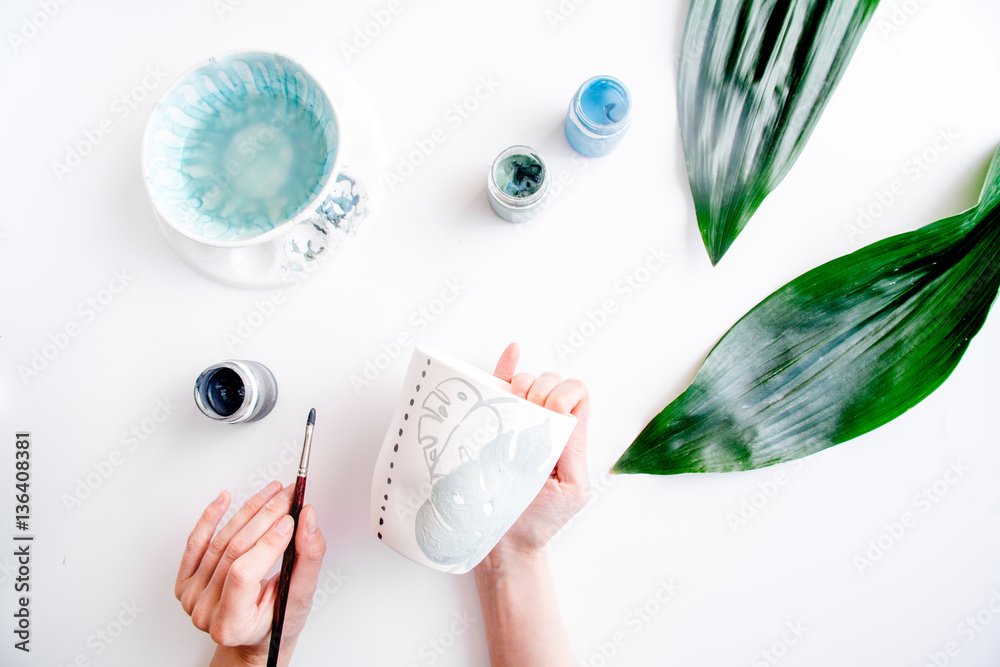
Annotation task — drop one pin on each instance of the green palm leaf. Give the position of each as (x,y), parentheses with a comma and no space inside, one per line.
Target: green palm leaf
(754,78)
(835,353)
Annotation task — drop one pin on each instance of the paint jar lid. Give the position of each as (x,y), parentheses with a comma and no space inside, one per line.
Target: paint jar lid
(517,183)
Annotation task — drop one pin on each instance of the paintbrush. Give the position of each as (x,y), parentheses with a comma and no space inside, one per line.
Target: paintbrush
(288,560)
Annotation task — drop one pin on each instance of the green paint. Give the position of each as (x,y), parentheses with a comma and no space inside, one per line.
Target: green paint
(519,175)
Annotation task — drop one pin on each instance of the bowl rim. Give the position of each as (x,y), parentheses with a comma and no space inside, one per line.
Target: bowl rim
(307,211)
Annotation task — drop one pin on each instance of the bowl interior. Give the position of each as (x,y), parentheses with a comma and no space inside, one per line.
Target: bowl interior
(239,145)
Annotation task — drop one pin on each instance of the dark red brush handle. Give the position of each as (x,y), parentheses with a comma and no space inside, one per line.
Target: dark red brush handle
(285,577)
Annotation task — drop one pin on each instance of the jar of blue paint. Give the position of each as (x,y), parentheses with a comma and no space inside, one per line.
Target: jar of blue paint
(598,116)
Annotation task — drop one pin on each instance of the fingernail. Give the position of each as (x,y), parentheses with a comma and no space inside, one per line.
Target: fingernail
(269,489)
(311,525)
(284,525)
(218,500)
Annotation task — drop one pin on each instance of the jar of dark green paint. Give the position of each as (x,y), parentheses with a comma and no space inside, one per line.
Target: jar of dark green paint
(517,184)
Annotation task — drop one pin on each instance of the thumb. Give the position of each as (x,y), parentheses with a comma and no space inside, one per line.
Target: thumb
(310,547)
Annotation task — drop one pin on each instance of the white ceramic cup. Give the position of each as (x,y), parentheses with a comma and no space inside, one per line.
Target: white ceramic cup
(225,116)
(462,460)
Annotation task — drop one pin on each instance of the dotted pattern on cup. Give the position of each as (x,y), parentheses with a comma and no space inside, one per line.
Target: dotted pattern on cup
(395,448)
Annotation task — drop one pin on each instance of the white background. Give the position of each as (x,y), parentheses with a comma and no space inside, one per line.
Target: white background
(795,559)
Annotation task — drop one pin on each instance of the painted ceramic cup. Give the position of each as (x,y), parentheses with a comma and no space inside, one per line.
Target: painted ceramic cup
(241,161)
(462,460)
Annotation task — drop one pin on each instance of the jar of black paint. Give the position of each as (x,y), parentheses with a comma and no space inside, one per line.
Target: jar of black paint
(236,391)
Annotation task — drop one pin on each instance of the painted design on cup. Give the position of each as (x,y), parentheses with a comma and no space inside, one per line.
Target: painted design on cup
(473,463)
(462,459)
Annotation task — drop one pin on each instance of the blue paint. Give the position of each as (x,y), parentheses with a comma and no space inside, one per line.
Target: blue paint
(240,145)
(598,116)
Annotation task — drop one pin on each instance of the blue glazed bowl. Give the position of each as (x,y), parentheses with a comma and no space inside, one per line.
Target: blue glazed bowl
(240,148)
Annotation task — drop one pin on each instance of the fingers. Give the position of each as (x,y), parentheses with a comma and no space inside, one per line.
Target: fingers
(508,362)
(565,397)
(243,584)
(572,465)
(570,397)
(521,383)
(235,525)
(210,559)
(542,386)
(247,537)
(259,524)
(310,547)
(199,540)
